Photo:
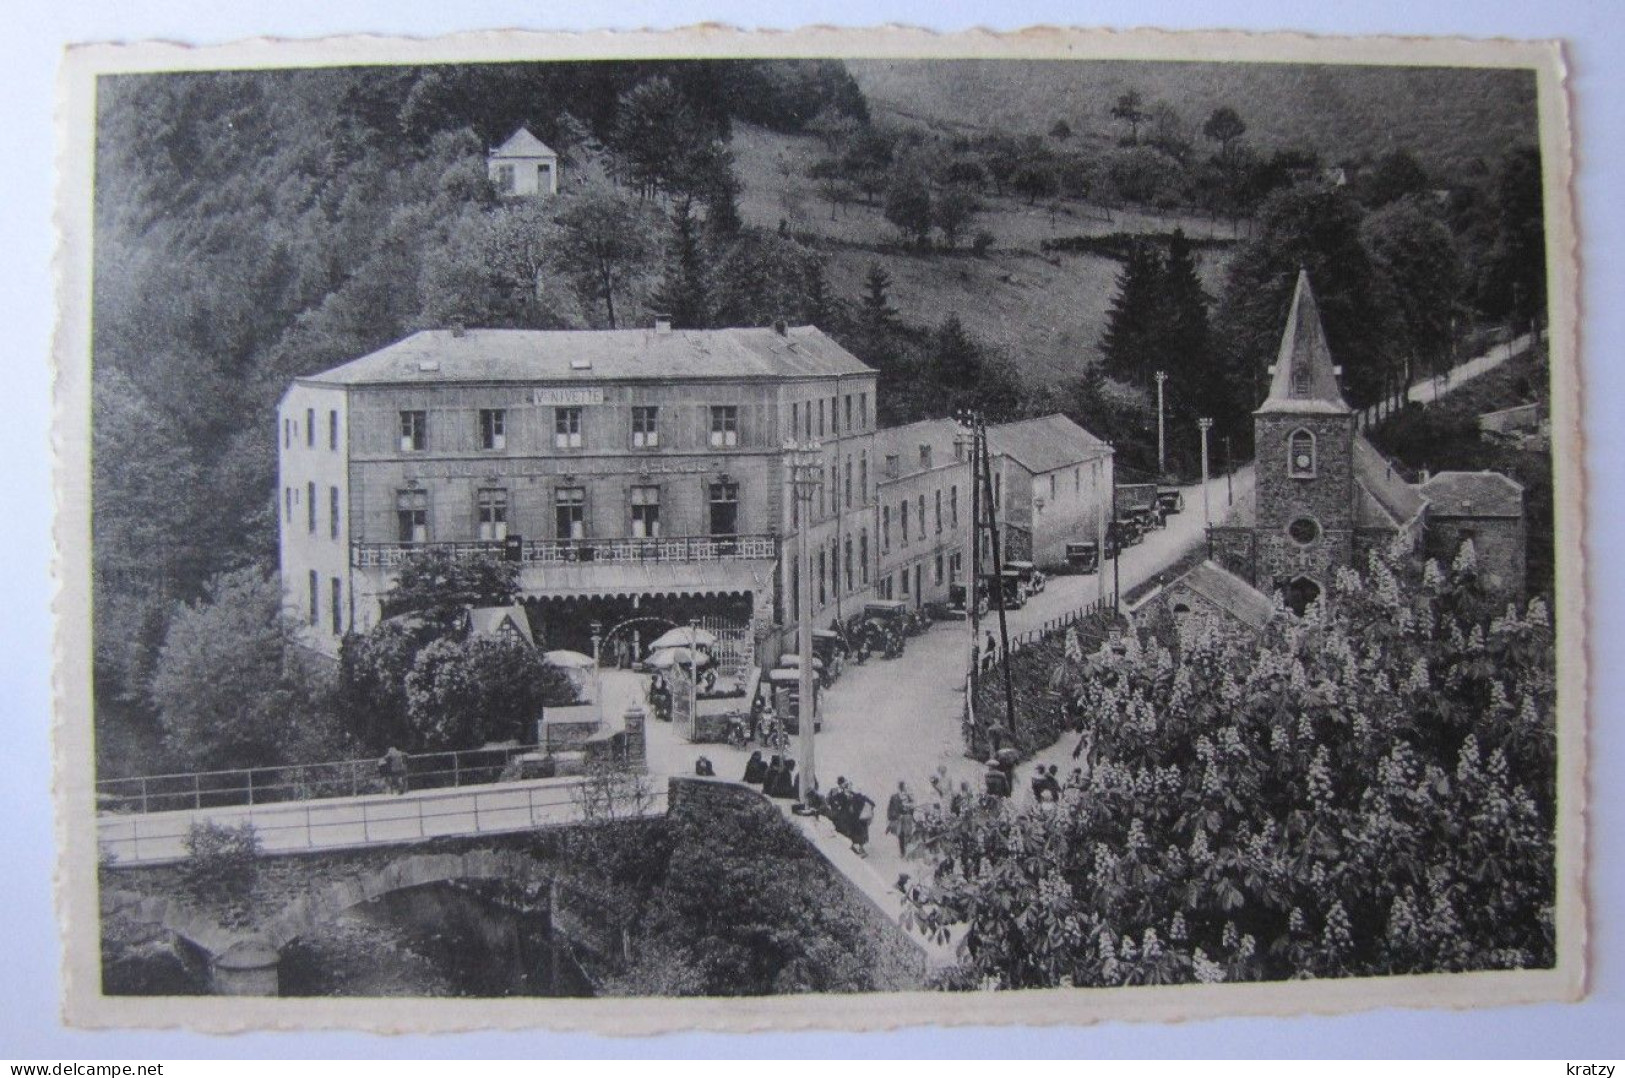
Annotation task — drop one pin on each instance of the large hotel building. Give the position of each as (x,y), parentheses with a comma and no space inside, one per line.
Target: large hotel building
(630,473)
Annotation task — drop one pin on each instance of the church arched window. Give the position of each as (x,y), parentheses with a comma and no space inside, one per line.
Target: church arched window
(1300,462)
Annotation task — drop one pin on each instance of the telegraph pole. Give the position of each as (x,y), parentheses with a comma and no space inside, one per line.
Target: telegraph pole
(1162,443)
(806,467)
(1229,475)
(1207,510)
(972,576)
(998,578)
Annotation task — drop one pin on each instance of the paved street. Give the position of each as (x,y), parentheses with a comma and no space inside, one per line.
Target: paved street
(899,720)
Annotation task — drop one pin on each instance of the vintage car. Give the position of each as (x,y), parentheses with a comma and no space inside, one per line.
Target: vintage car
(956,601)
(785,685)
(1031,579)
(1122,532)
(1083,557)
(1171,500)
(1010,587)
(831,649)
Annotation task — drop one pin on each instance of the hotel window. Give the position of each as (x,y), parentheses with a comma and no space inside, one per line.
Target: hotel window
(863,477)
(863,556)
(885,528)
(939,514)
(795,417)
(904,588)
(493,514)
(646,512)
(922,516)
(849,482)
(863,411)
(310,428)
(414,432)
(939,570)
(333,429)
(412,516)
(493,428)
(849,413)
(645,426)
(1052,487)
(333,512)
(848,552)
(338,606)
(315,597)
(287,498)
(287,433)
(505,178)
(806,420)
(903,522)
(823,596)
(570,512)
(834,422)
(1077,480)
(820,417)
(567,428)
(724,425)
(1301,455)
(310,506)
(724,499)
(953,506)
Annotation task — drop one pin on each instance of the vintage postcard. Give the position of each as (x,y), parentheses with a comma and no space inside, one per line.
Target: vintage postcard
(644,532)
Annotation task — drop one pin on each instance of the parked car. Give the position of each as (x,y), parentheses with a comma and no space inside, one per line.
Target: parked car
(956,601)
(1083,557)
(886,626)
(1171,500)
(1009,583)
(1032,580)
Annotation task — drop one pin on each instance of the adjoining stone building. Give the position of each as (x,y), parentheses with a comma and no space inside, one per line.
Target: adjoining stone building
(924,498)
(1324,496)
(1052,482)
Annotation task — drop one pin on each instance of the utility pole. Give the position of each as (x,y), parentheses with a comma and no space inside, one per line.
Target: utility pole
(1229,475)
(998,579)
(1117,550)
(1207,510)
(805,464)
(1103,508)
(971,577)
(1162,444)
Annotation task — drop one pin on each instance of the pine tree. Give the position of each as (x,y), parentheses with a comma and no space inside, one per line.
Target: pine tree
(875,312)
(684,291)
(1129,343)
(1183,345)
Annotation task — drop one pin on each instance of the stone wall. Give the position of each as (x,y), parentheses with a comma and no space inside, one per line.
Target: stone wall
(1498,542)
(902,959)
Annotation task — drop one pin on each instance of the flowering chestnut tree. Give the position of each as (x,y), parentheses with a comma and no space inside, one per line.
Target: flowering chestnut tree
(1366,789)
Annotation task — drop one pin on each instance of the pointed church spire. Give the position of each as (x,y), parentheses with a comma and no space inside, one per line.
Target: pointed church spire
(1303,379)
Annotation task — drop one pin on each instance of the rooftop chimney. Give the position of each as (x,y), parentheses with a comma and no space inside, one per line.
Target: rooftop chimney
(457,328)
(780,328)
(662,323)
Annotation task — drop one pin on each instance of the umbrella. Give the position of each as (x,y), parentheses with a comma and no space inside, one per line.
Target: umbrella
(792,661)
(669,657)
(569,660)
(684,637)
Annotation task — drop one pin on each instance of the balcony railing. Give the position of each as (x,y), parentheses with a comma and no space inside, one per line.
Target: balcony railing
(682,548)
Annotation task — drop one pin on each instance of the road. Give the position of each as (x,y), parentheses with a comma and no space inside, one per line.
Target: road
(1429,390)
(899,720)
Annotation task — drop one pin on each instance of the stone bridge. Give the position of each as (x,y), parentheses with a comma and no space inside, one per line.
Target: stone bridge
(243,960)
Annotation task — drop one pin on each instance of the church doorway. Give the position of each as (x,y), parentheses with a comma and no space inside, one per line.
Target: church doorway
(1300,593)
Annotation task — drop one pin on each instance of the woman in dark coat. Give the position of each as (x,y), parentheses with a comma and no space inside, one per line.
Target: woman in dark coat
(755,769)
(770,777)
(860,812)
(786,787)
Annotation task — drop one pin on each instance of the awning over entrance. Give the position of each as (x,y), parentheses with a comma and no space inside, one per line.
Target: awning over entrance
(668,578)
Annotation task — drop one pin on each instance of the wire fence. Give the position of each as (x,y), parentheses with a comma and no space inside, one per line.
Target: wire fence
(146,839)
(300,782)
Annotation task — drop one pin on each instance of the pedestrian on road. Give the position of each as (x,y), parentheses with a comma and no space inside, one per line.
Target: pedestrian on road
(394,767)
(860,813)
(755,769)
(900,818)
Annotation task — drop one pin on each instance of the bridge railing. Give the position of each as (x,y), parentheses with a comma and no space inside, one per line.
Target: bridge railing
(299,782)
(368,821)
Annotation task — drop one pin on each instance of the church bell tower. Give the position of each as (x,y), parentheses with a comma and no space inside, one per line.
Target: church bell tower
(1304,444)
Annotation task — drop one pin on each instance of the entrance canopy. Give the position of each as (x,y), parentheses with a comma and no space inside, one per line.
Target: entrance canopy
(664,578)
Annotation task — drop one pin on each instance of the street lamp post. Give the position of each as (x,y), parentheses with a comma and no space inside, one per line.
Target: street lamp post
(806,468)
(1162,444)
(597,670)
(1229,475)
(1207,509)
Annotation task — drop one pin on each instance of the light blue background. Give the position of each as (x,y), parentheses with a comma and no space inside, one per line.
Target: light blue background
(29,49)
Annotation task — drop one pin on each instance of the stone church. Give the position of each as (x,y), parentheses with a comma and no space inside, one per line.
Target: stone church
(1324,496)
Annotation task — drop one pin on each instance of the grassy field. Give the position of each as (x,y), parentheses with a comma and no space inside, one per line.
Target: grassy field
(1045,311)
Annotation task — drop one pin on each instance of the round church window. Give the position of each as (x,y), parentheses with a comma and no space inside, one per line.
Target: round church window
(1303,530)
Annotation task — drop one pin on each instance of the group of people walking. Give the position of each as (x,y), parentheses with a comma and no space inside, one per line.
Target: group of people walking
(776,777)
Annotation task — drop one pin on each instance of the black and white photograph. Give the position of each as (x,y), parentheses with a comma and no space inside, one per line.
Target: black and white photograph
(968,530)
